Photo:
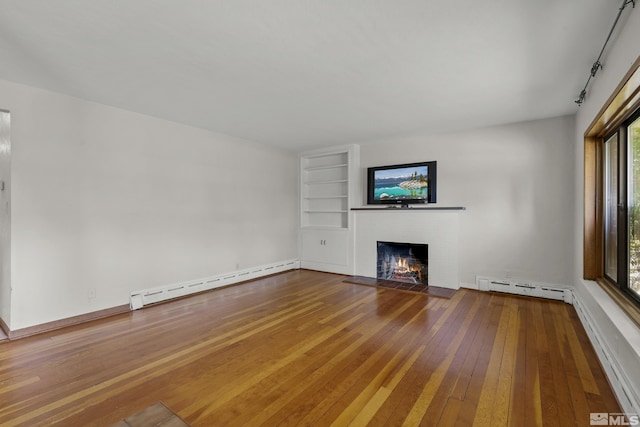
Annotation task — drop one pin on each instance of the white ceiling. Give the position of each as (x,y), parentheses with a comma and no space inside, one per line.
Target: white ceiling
(306,73)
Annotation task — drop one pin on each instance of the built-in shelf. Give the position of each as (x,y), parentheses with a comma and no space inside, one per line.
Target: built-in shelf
(317,168)
(328,181)
(333,181)
(323,227)
(397,208)
(325,197)
(324,191)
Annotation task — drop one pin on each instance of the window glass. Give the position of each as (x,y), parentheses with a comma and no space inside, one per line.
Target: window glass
(611,207)
(633,136)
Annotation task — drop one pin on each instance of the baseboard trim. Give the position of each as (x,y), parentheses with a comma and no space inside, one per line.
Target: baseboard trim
(63,323)
(473,286)
(5,330)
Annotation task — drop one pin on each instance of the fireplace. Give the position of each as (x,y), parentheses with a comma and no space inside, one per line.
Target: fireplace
(403,262)
(439,228)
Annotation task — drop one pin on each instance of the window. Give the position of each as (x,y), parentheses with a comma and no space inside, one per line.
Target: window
(611,208)
(633,144)
(612,196)
(622,211)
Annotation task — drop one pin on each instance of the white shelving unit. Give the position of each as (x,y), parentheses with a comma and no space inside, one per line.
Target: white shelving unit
(325,190)
(327,179)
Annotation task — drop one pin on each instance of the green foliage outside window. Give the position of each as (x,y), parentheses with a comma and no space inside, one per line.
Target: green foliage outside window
(634,207)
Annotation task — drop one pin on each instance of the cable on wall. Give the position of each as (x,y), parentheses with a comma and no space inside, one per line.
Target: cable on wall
(598,65)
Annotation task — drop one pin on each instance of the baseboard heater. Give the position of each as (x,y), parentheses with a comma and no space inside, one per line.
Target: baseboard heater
(139,299)
(621,384)
(520,287)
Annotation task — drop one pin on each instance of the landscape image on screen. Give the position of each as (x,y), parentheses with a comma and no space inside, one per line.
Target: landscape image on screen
(401,184)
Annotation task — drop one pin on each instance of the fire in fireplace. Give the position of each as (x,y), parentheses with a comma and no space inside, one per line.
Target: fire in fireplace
(403,262)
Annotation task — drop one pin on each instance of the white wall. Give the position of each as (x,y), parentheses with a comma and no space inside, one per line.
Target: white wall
(115,201)
(5,216)
(620,334)
(515,182)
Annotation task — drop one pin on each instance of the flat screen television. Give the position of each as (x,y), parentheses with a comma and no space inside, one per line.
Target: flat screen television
(405,184)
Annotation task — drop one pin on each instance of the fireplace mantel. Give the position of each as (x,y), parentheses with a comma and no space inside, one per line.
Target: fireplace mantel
(437,228)
(394,208)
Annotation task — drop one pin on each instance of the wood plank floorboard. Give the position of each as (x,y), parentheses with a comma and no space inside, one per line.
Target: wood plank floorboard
(304,348)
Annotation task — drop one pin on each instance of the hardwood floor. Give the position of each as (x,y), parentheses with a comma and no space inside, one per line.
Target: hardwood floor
(305,348)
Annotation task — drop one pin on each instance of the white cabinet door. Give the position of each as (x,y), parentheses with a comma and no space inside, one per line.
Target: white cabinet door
(325,246)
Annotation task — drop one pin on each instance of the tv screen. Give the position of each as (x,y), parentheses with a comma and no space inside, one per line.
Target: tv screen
(404,184)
